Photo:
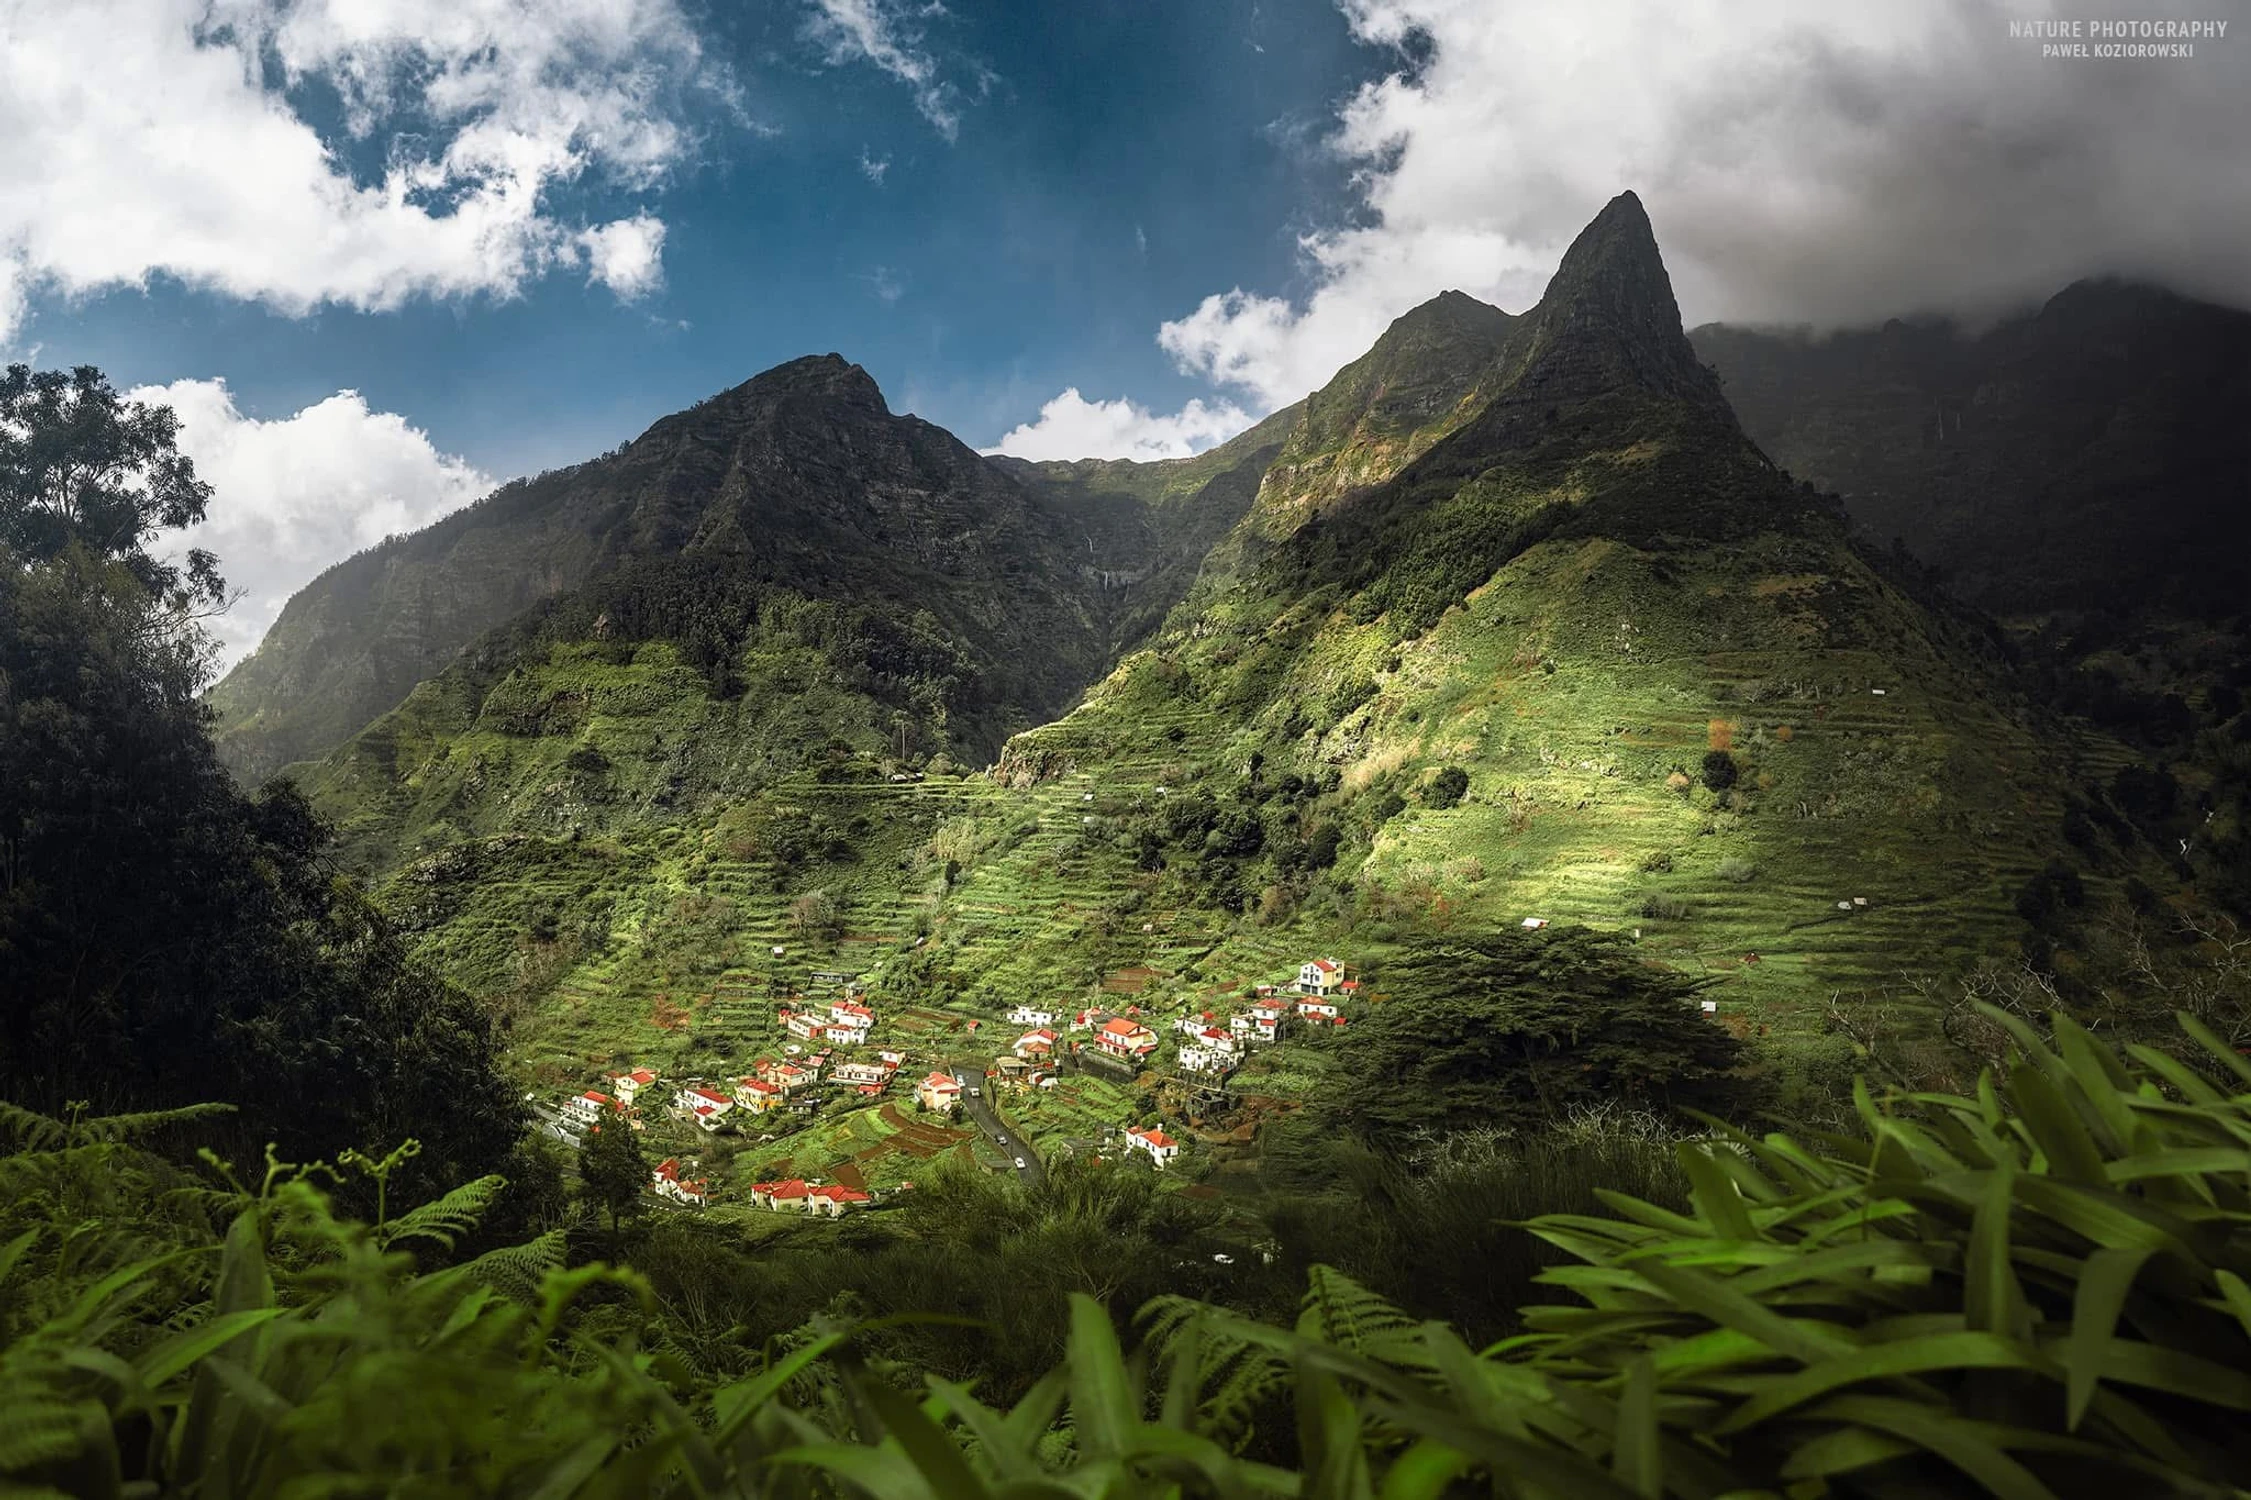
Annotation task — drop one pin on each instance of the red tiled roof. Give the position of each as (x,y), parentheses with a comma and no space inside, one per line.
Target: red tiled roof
(758,1086)
(793,1187)
(1325,965)
(596,1095)
(1155,1138)
(716,1098)
(941,1081)
(669,1169)
(1119,1026)
(839,1194)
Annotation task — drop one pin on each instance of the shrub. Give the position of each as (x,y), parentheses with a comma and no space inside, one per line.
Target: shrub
(1446,788)
(1720,771)
(1665,907)
(1658,861)
(1740,871)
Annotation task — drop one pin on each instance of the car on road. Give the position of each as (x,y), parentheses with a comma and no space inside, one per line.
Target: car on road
(1019,1162)
(976,1093)
(1001,1138)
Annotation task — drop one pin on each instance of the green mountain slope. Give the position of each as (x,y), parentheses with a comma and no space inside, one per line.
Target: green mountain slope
(1587,587)
(1517,624)
(799,474)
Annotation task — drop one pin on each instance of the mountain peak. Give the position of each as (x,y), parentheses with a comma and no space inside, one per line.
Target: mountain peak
(825,376)
(1608,318)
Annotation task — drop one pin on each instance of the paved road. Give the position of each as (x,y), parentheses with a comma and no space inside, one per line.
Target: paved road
(980,1110)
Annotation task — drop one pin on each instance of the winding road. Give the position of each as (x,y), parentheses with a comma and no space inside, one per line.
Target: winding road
(979,1108)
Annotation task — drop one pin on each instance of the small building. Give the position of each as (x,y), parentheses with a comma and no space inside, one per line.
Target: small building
(861,1074)
(1123,1038)
(668,1183)
(1031,1015)
(707,1107)
(1534,924)
(1162,1148)
(1039,1043)
(832,1200)
(629,1084)
(787,1193)
(757,1096)
(1319,976)
(1321,1010)
(805,1024)
(939,1091)
(591,1105)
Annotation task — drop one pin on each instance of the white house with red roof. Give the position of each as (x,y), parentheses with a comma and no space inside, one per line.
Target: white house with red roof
(831,1201)
(626,1085)
(669,1183)
(1033,1044)
(706,1106)
(941,1091)
(1087,1020)
(784,1193)
(591,1105)
(1324,1010)
(1124,1038)
(1162,1148)
(805,1025)
(1319,976)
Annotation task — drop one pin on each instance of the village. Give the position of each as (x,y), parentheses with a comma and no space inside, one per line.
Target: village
(827,1063)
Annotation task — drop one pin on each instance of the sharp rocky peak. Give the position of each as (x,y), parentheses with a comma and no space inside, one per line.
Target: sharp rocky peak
(1608,318)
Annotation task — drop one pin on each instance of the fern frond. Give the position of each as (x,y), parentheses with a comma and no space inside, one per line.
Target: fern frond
(446,1219)
(517,1272)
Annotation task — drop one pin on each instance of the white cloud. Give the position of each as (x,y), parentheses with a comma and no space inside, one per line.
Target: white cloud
(886,34)
(1797,168)
(625,255)
(294,494)
(163,137)
(886,285)
(873,167)
(1070,426)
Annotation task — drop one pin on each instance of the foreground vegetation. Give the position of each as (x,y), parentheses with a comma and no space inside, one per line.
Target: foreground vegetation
(2038,1289)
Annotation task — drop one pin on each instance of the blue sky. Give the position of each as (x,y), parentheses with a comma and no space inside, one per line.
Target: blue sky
(1109,159)
(380,254)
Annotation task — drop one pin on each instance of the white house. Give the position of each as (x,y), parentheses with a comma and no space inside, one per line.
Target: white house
(670,1184)
(591,1105)
(1123,1038)
(861,1074)
(1319,976)
(1196,1057)
(805,1024)
(1162,1148)
(1027,1015)
(629,1084)
(1036,1044)
(1321,1009)
(707,1107)
(939,1091)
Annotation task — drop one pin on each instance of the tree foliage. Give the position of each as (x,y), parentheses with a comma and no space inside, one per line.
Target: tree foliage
(164,938)
(1505,1031)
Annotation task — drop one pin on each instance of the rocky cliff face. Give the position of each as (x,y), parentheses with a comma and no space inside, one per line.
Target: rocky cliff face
(2072,458)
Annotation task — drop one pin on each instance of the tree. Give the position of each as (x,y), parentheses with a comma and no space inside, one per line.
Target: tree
(613,1169)
(165,939)
(81,467)
(1720,770)
(1446,788)
(1505,1031)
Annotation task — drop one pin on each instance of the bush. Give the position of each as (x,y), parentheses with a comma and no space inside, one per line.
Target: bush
(1740,871)
(1665,907)
(1446,788)
(1720,771)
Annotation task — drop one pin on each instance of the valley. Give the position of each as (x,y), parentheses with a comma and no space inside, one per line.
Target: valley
(1510,629)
